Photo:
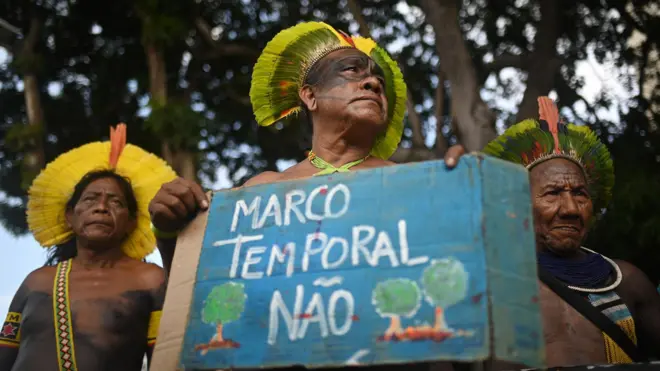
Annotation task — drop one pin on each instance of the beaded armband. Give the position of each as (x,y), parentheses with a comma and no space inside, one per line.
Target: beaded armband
(10,333)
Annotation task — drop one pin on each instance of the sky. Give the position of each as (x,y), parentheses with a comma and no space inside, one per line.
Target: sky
(22,255)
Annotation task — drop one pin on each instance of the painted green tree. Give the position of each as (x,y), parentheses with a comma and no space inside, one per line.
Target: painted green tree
(224,304)
(445,283)
(395,298)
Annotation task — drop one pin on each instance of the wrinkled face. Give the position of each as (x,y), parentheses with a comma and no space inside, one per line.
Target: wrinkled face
(562,206)
(347,85)
(101,216)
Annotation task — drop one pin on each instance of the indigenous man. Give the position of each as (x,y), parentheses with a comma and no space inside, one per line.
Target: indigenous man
(95,305)
(571,175)
(349,88)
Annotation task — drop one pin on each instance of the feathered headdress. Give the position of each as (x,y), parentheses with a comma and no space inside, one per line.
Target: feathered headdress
(281,70)
(531,142)
(54,186)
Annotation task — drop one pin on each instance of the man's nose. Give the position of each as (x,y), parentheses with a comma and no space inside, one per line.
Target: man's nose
(373,84)
(101,206)
(568,207)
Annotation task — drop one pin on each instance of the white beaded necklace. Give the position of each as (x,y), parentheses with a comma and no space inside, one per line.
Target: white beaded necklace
(619,276)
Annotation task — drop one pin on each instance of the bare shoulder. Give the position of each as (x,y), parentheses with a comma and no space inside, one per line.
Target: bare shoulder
(635,280)
(150,275)
(265,177)
(40,279)
(630,271)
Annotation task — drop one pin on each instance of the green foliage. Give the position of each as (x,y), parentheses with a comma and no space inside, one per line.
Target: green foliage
(162,21)
(178,123)
(22,137)
(396,297)
(445,282)
(224,304)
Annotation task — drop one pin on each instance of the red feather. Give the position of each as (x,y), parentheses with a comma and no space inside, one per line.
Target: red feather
(347,38)
(548,112)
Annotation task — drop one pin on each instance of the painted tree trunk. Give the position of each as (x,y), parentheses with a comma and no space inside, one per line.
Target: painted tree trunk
(440,324)
(218,333)
(395,329)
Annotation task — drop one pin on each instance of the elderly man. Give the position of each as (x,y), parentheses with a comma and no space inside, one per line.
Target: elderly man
(349,88)
(595,310)
(95,305)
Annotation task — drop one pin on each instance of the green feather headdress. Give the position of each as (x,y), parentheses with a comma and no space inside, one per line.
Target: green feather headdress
(281,70)
(531,142)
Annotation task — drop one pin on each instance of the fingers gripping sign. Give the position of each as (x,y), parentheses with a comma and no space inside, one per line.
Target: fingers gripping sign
(453,154)
(176,204)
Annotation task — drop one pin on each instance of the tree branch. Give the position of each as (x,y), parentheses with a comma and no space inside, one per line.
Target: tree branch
(475,120)
(356,11)
(221,49)
(441,145)
(544,62)
(506,60)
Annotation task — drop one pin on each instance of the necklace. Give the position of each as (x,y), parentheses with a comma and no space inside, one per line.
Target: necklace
(327,168)
(617,281)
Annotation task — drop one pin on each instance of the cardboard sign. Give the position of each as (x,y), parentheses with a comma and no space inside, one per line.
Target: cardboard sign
(399,264)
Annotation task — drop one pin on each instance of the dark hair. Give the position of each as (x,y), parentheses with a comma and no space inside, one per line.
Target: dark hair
(67,250)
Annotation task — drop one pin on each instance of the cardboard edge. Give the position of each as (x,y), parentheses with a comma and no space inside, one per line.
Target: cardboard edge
(179,294)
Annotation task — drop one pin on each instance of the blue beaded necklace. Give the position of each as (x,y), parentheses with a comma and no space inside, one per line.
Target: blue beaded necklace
(589,271)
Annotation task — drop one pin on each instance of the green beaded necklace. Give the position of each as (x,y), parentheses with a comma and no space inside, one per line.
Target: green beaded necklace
(327,168)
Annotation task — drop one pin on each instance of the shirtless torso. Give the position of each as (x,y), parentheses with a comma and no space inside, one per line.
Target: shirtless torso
(111,308)
(572,339)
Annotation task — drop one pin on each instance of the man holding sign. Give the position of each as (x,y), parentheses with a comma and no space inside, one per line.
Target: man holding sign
(350,90)
(348,87)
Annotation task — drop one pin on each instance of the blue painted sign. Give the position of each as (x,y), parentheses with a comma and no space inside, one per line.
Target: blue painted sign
(397,264)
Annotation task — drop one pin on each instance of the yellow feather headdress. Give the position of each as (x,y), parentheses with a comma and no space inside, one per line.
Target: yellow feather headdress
(284,63)
(54,186)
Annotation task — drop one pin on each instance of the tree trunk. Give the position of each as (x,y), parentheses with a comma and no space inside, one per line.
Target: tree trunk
(543,61)
(395,329)
(218,333)
(182,161)
(440,324)
(475,120)
(34,157)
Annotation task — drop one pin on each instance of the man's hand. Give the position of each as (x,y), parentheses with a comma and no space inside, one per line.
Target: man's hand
(176,203)
(453,154)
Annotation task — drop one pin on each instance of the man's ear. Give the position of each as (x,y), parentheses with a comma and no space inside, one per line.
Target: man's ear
(307,97)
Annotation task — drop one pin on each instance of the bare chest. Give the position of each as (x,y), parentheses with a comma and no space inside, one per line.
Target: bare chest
(570,338)
(102,307)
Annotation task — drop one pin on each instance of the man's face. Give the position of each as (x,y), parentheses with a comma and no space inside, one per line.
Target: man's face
(562,206)
(101,215)
(349,85)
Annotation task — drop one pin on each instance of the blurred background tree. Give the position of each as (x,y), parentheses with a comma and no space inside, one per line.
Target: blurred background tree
(178,74)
